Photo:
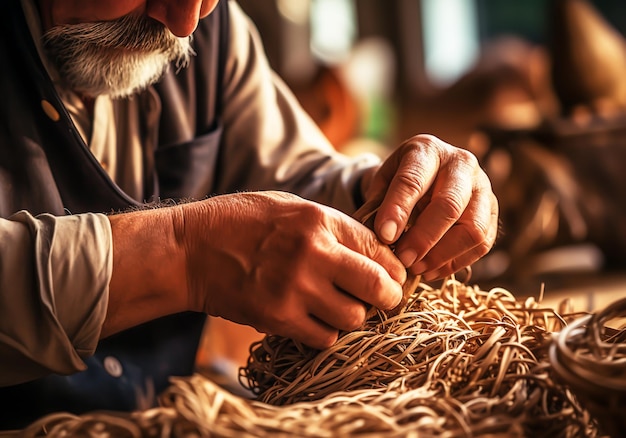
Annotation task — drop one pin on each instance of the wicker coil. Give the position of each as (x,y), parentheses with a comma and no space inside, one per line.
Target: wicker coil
(590,357)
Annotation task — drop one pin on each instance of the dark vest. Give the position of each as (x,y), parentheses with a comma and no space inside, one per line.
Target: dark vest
(46,167)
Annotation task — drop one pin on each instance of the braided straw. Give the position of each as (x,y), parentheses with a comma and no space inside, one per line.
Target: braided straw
(455,362)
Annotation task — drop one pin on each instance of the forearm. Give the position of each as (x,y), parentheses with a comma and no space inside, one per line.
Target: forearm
(149,272)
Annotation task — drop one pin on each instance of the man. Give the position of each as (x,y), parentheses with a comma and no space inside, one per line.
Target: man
(98,310)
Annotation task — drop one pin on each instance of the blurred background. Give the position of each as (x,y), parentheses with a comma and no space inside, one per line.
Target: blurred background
(536,89)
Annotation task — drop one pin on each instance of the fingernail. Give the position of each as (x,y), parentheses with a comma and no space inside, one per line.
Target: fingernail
(407,257)
(388,231)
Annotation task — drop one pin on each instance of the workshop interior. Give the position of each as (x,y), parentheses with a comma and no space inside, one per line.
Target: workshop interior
(535,89)
(529,340)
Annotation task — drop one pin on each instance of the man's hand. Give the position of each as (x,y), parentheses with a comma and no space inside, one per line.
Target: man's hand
(285,265)
(446,199)
(298,269)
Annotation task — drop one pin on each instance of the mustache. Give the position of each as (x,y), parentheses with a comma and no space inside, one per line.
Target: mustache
(117,57)
(130,32)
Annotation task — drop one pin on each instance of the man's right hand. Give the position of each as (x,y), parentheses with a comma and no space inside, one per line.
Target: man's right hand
(285,265)
(271,260)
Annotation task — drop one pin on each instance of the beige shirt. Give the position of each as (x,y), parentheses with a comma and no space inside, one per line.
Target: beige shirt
(56,270)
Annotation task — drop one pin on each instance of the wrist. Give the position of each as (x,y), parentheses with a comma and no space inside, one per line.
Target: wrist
(148,279)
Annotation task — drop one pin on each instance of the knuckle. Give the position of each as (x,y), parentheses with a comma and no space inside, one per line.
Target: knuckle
(446,150)
(411,181)
(411,186)
(451,207)
(480,229)
(376,283)
(428,140)
(387,294)
(371,245)
(477,233)
(485,182)
(483,248)
(312,213)
(495,207)
(468,157)
(463,157)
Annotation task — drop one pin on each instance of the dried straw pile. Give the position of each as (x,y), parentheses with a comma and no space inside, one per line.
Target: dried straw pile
(455,362)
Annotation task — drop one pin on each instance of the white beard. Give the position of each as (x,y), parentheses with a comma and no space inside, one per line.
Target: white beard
(115,58)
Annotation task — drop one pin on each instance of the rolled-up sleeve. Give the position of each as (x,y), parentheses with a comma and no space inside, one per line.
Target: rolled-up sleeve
(54,277)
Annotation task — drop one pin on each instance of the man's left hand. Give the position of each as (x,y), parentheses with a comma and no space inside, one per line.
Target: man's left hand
(437,206)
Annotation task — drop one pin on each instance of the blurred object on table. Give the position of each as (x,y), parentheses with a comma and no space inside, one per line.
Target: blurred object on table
(589,356)
(561,184)
(588,59)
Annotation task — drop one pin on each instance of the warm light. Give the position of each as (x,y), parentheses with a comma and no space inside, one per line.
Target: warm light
(297,11)
(333,29)
(451,42)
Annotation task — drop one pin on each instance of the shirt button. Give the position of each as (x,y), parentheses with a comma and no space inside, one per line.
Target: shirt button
(50,111)
(113,366)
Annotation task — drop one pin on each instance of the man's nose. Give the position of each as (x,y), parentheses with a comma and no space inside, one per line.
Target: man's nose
(179,16)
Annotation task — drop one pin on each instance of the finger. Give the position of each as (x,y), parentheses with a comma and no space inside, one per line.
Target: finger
(455,265)
(409,180)
(450,198)
(361,240)
(366,280)
(475,231)
(465,243)
(310,331)
(338,309)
